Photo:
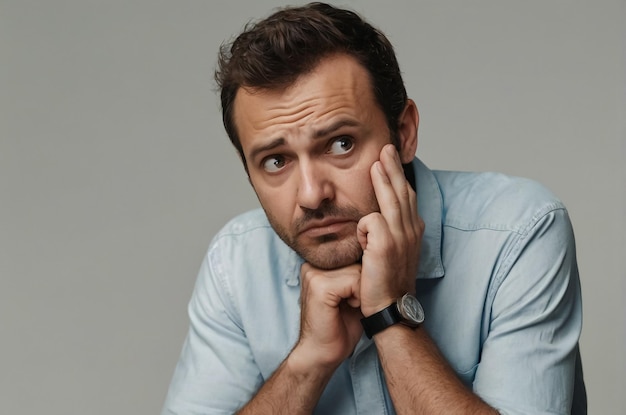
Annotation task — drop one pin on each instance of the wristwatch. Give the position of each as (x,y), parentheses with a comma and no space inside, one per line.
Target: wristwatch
(405,310)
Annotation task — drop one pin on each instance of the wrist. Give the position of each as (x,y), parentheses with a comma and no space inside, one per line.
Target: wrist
(303,365)
(406,311)
(375,308)
(383,300)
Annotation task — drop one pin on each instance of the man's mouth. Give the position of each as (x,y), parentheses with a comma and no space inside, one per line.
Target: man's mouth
(318,228)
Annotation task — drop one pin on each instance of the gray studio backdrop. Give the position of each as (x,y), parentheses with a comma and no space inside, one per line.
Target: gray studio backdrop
(115,171)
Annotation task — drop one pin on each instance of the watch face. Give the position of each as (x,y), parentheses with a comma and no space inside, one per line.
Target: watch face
(411,309)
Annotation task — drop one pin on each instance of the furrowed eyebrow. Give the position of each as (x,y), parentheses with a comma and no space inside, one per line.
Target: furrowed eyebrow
(277,142)
(267,147)
(333,127)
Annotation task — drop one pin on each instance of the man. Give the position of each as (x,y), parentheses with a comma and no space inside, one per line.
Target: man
(342,296)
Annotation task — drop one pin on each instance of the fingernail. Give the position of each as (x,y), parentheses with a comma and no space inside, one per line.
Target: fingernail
(391,150)
(379,167)
(382,172)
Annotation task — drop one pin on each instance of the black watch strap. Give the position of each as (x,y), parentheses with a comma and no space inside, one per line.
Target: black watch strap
(378,322)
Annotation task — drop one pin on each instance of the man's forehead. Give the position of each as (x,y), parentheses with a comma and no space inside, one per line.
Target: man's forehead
(337,81)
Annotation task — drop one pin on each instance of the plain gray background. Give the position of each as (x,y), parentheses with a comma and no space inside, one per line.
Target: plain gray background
(115,171)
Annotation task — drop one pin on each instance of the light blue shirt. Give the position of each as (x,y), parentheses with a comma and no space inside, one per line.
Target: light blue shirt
(497,279)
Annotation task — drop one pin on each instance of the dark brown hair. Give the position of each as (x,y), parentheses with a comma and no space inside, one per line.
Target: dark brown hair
(274,52)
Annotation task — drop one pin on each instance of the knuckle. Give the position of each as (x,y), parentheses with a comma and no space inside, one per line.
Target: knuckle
(395,204)
(404,193)
(377,217)
(316,282)
(421,225)
(307,275)
(410,191)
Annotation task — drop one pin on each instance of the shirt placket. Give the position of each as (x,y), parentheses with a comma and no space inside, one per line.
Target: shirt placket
(367,382)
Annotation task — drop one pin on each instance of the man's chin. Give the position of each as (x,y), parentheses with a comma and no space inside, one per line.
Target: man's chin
(333,255)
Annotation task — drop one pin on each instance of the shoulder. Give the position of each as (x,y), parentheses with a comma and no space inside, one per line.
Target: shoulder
(495,201)
(248,234)
(250,223)
(248,245)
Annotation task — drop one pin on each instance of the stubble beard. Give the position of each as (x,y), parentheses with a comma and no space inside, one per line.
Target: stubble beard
(329,251)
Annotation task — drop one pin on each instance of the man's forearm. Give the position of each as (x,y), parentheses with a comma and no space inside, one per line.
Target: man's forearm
(419,379)
(294,388)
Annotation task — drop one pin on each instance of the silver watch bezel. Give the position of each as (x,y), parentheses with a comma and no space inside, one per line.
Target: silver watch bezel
(410,310)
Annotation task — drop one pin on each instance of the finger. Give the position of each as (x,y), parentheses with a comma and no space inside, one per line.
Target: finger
(395,172)
(354,302)
(413,212)
(393,192)
(386,196)
(404,193)
(332,286)
(376,224)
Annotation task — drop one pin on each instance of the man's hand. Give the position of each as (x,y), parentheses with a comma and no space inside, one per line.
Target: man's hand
(330,318)
(391,238)
(334,301)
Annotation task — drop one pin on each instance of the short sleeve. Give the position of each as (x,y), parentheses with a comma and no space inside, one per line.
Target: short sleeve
(216,372)
(528,360)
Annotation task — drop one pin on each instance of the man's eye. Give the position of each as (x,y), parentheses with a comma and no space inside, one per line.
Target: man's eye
(272,164)
(341,145)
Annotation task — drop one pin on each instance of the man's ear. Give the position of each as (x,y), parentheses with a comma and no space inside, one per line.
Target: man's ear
(407,132)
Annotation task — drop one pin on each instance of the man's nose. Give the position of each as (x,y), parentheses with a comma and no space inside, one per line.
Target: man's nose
(315,186)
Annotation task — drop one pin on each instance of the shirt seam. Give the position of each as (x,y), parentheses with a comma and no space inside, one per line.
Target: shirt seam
(520,230)
(214,264)
(511,256)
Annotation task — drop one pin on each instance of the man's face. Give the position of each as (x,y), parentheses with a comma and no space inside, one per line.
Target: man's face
(309,149)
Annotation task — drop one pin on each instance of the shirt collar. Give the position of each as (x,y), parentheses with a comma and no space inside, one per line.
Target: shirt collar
(429,205)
